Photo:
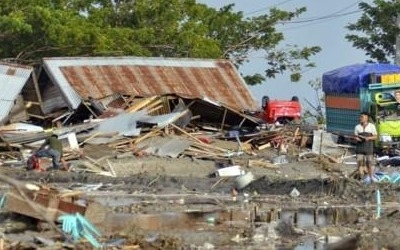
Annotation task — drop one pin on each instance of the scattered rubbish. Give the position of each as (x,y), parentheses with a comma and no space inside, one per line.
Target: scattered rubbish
(350,242)
(231,171)
(2,200)
(234,194)
(246,197)
(369,180)
(378,204)
(86,187)
(281,159)
(77,226)
(53,202)
(294,193)
(207,246)
(283,148)
(237,238)
(19,127)
(32,187)
(387,161)
(44,241)
(392,178)
(329,239)
(152,238)
(243,181)
(381,158)
(211,220)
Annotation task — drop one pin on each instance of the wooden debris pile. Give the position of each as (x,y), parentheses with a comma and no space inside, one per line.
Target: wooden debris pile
(134,126)
(45,203)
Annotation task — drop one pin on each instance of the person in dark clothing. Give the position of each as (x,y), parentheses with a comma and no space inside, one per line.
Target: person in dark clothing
(365,134)
(52,147)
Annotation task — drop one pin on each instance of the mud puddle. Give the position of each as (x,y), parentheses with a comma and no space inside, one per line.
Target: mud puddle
(235,227)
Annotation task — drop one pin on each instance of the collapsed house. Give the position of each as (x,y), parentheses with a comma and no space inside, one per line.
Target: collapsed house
(74,94)
(116,81)
(72,89)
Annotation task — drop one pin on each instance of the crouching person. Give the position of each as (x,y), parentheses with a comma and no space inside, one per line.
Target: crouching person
(52,148)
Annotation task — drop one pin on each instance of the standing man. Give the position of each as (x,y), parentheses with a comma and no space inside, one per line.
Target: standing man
(397,95)
(365,135)
(53,148)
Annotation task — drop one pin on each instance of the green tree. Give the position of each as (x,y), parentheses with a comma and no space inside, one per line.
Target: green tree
(375,31)
(32,29)
(316,107)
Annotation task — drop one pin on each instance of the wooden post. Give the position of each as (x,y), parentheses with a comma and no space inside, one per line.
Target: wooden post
(255,211)
(241,122)
(272,211)
(295,217)
(315,216)
(252,217)
(269,216)
(230,217)
(37,90)
(223,119)
(335,216)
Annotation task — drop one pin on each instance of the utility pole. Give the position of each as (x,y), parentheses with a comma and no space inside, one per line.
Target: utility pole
(398,40)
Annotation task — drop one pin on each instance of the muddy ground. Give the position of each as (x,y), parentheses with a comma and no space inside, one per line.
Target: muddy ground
(164,203)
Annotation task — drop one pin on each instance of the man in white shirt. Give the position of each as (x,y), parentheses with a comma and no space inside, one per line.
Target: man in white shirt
(365,135)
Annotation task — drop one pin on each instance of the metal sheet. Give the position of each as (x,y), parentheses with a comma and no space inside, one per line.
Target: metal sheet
(12,80)
(161,120)
(5,108)
(81,77)
(126,124)
(122,124)
(165,146)
(103,140)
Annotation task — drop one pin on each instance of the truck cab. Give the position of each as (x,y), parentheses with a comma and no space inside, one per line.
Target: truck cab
(373,88)
(281,111)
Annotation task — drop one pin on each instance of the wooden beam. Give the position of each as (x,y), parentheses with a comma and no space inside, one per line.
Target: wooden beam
(223,119)
(32,103)
(37,90)
(37,116)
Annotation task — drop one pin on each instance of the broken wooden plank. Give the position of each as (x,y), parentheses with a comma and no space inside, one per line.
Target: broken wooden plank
(141,104)
(198,140)
(92,164)
(153,132)
(261,163)
(264,146)
(111,168)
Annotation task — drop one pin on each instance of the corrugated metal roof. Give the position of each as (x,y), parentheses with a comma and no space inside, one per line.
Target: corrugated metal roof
(12,79)
(81,77)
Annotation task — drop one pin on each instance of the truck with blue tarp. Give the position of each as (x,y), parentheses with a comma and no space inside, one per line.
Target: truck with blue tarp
(368,87)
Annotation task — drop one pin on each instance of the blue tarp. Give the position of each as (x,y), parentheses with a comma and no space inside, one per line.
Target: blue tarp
(349,79)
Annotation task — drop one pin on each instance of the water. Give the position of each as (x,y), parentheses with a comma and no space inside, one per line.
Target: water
(310,244)
(197,220)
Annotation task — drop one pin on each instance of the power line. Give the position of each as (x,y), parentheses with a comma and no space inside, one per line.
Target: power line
(316,20)
(305,20)
(337,13)
(266,8)
(330,16)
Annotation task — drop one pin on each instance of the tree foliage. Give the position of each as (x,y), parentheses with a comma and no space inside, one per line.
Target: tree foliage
(376,30)
(32,29)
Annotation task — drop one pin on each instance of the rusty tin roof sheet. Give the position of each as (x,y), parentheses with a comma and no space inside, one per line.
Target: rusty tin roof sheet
(81,77)
(13,77)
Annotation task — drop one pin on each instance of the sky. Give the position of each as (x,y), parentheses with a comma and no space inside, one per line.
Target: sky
(328,33)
